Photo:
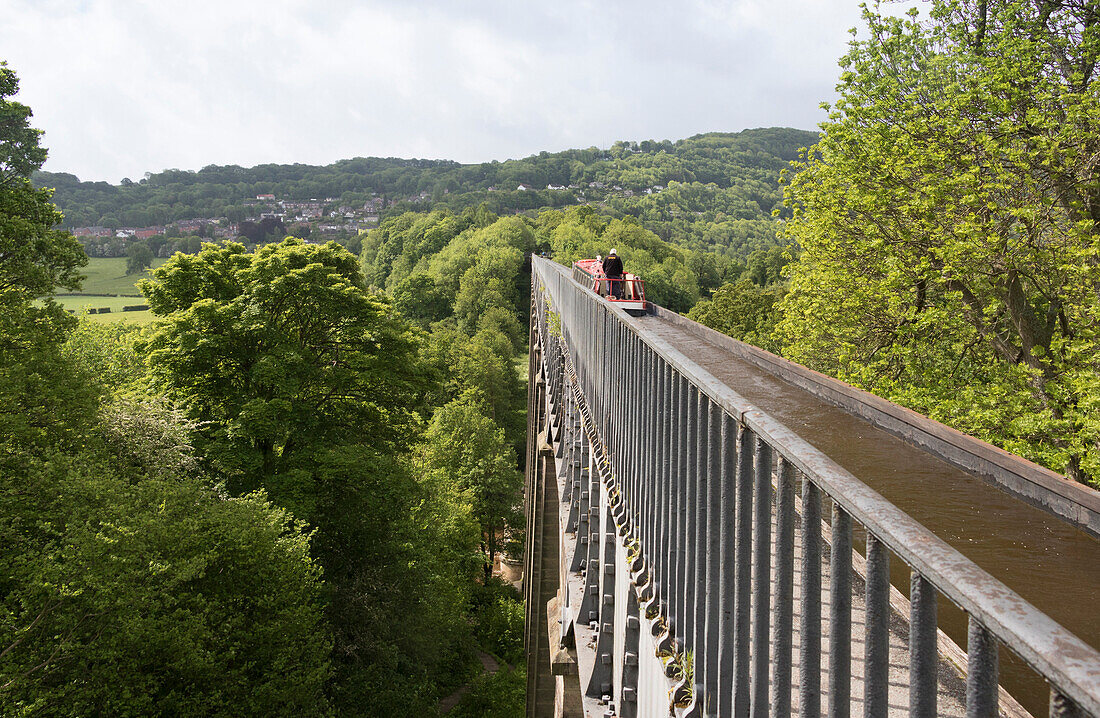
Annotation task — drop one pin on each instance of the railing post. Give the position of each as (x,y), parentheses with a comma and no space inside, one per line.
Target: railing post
(699,479)
(716,423)
(651,544)
(728,568)
(675,496)
(761,569)
(981,673)
(667,569)
(876,657)
(664,501)
(625,413)
(923,658)
(743,575)
(679,626)
(688,470)
(809,620)
(840,615)
(642,413)
(782,624)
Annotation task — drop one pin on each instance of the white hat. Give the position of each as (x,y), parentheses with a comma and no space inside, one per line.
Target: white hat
(612,252)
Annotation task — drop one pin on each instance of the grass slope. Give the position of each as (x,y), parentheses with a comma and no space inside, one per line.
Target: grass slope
(107,275)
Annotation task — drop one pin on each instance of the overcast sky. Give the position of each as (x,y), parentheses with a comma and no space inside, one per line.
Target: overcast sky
(122,87)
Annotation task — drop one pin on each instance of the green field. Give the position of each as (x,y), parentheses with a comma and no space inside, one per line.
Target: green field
(145,317)
(79,303)
(107,275)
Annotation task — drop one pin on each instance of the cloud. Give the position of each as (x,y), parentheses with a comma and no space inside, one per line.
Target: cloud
(128,86)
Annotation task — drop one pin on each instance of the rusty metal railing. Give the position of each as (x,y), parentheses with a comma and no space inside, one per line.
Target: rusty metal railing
(689,466)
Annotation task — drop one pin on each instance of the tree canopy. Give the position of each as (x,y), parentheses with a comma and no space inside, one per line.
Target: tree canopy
(20,151)
(280,352)
(129,585)
(948,222)
(34,257)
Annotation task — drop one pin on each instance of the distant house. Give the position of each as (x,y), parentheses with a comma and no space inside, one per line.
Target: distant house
(191,225)
(555,186)
(92,232)
(266,197)
(305,210)
(522,188)
(125,232)
(147,232)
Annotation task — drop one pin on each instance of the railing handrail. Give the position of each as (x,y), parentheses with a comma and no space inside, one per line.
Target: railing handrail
(1070,664)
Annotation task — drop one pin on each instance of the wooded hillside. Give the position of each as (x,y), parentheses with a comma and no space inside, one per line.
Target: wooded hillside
(716,190)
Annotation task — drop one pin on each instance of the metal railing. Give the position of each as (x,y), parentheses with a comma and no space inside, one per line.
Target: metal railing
(688,465)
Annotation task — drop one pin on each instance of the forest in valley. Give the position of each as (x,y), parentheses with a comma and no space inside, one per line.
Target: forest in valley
(287,492)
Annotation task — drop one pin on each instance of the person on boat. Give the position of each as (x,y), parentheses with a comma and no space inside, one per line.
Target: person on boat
(613,270)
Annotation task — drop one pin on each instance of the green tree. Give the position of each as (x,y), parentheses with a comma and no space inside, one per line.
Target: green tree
(496,695)
(130,595)
(418,298)
(130,586)
(497,609)
(489,283)
(138,257)
(46,402)
(20,152)
(948,225)
(765,267)
(743,310)
(281,353)
(400,551)
(105,351)
(305,384)
(468,448)
(34,257)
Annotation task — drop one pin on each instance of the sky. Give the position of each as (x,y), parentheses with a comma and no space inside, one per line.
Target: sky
(125,87)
